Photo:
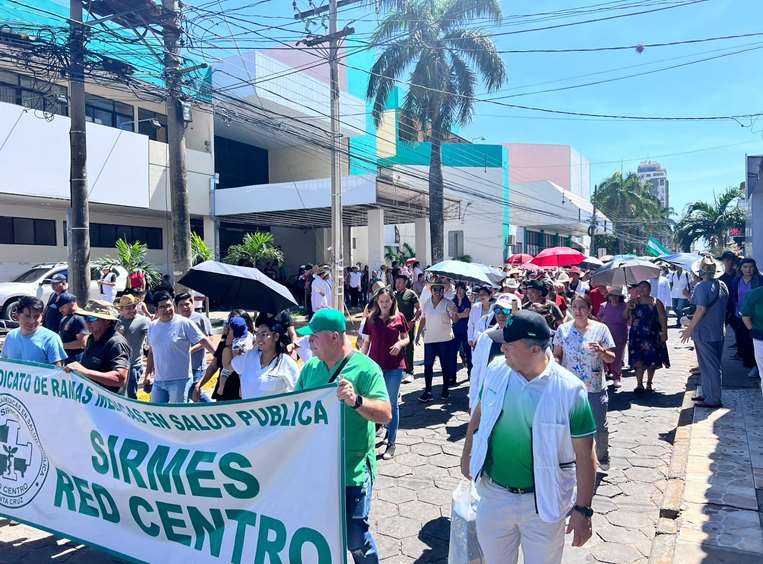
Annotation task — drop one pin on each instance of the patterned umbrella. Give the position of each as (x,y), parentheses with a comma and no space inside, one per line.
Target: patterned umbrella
(621,272)
(558,256)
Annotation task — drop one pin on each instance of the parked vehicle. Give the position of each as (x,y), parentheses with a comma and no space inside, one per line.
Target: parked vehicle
(36,282)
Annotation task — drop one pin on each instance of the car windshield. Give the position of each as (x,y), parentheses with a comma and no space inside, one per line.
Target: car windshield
(32,275)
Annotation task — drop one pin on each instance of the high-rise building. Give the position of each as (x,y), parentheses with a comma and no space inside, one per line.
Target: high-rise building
(652,173)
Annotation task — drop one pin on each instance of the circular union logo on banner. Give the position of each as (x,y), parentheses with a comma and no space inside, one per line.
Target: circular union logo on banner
(23,464)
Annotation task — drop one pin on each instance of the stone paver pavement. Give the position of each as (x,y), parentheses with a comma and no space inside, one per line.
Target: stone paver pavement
(412,495)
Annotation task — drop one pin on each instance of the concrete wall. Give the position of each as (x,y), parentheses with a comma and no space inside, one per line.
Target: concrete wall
(300,162)
(297,244)
(14,259)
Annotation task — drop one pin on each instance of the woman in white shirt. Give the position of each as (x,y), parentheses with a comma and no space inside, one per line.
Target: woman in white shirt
(479,308)
(267,369)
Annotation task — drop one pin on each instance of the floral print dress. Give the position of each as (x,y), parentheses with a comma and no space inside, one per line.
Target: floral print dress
(644,343)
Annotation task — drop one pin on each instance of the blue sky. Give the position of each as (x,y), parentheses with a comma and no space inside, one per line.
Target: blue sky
(701,157)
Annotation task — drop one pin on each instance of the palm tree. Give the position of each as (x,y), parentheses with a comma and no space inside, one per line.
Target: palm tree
(254,247)
(200,251)
(711,221)
(446,58)
(131,257)
(635,212)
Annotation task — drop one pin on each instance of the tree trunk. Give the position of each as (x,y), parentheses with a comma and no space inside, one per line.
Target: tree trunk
(436,204)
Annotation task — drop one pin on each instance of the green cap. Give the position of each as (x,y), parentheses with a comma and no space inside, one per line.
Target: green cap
(326,319)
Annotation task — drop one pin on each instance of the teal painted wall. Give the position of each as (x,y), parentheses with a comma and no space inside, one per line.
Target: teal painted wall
(453,154)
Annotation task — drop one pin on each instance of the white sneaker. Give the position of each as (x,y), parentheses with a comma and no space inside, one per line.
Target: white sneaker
(408,379)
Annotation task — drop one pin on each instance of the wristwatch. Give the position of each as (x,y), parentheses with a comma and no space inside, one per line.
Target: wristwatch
(587,512)
(358,401)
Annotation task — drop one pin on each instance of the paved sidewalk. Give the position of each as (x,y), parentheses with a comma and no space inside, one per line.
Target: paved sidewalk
(721,516)
(412,495)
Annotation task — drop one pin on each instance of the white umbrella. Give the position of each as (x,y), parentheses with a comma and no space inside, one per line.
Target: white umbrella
(624,271)
(494,274)
(460,270)
(591,262)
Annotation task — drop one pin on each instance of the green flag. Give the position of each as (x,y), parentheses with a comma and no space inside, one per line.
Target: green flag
(654,247)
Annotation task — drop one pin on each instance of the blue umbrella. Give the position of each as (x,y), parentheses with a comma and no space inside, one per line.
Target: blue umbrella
(460,270)
(684,260)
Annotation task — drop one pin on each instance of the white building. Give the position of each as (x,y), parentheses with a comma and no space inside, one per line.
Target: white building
(653,174)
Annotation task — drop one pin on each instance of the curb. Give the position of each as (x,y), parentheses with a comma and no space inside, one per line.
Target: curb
(669,523)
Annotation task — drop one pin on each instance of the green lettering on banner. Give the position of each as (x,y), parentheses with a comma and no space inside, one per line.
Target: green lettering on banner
(110,513)
(159,469)
(84,498)
(275,414)
(64,487)
(194,474)
(138,450)
(304,536)
(202,527)
(112,443)
(302,419)
(100,462)
(270,547)
(321,415)
(169,523)
(243,518)
(245,416)
(251,485)
(54,387)
(136,503)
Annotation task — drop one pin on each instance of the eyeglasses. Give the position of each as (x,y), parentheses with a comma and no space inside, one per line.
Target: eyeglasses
(91,319)
(165,306)
(503,310)
(259,335)
(437,289)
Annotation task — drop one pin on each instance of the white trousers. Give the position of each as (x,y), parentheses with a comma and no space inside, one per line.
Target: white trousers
(758,346)
(506,520)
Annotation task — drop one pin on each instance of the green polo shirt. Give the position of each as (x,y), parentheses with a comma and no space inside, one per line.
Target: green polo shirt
(753,308)
(359,432)
(509,460)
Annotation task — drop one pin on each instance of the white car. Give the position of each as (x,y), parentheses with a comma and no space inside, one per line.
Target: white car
(36,282)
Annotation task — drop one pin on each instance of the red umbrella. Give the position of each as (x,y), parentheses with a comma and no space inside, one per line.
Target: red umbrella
(558,256)
(530,267)
(519,258)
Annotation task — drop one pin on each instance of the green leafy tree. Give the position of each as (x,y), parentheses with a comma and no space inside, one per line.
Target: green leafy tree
(257,246)
(710,221)
(635,212)
(131,257)
(399,255)
(446,57)
(200,251)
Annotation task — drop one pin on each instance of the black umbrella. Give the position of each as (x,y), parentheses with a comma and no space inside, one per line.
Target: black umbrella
(232,286)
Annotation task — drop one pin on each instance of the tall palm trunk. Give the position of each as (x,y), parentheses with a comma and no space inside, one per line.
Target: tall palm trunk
(436,215)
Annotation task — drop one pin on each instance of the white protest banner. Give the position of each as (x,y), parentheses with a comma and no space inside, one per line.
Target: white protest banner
(248,481)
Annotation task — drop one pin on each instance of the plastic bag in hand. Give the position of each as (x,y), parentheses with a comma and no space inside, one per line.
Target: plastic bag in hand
(464,546)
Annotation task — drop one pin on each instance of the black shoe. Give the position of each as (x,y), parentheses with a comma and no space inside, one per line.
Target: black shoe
(389,454)
(426,397)
(444,395)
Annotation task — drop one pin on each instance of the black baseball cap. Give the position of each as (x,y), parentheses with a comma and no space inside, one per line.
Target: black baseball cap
(66,298)
(525,325)
(728,255)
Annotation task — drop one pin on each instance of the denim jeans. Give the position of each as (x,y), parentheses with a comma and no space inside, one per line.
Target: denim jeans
(446,351)
(360,541)
(198,374)
(170,391)
(393,378)
(678,308)
(134,375)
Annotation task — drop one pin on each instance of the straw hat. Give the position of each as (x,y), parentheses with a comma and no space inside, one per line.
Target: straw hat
(100,309)
(127,300)
(707,264)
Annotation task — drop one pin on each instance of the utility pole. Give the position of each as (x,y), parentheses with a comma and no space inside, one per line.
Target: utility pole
(337,231)
(176,121)
(79,216)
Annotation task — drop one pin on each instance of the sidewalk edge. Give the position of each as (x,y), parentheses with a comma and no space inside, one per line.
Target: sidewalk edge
(668,525)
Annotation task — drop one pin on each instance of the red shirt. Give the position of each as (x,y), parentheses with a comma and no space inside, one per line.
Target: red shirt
(137,280)
(561,303)
(383,336)
(597,298)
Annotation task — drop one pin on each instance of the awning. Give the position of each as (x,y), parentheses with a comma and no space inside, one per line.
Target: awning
(307,203)
(545,205)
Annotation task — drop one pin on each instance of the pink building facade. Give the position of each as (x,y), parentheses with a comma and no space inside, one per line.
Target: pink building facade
(560,164)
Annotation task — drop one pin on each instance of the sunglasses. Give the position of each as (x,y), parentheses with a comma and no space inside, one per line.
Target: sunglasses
(437,288)
(91,319)
(503,310)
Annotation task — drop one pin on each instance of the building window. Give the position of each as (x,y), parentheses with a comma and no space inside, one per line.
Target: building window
(455,243)
(152,124)
(106,112)
(533,242)
(105,235)
(33,93)
(27,231)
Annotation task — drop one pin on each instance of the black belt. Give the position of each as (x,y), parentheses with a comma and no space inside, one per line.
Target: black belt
(510,489)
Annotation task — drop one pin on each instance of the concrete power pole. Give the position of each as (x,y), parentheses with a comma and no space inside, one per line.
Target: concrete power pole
(337,230)
(79,220)
(181,218)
